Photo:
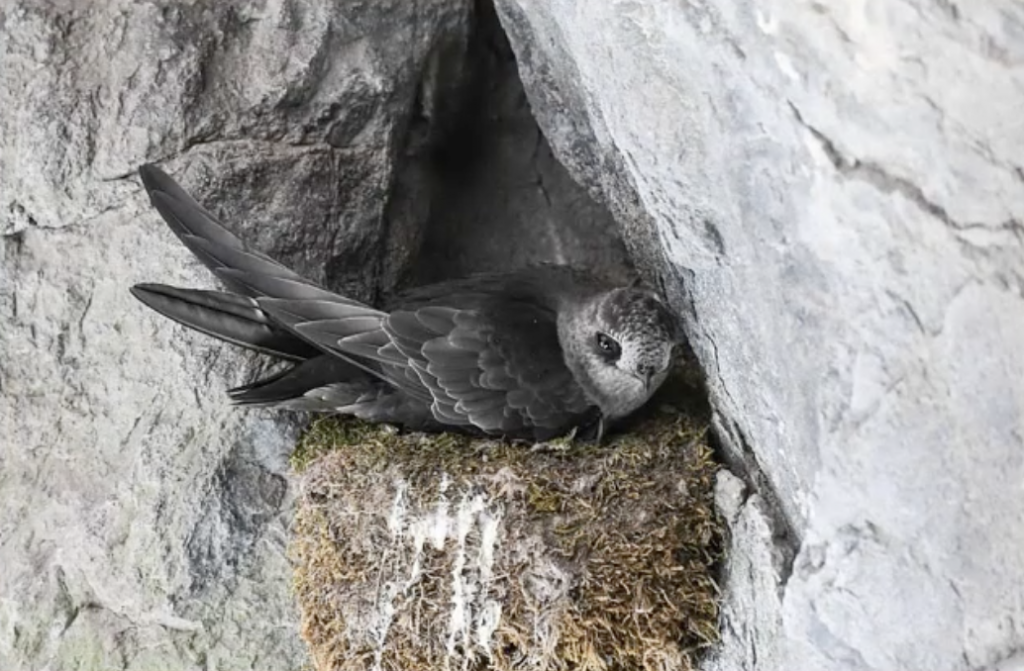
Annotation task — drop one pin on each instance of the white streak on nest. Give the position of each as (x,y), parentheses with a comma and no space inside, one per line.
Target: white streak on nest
(386,593)
(386,590)
(471,609)
(433,527)
(489,613)
(473,617)
(398,509)
(462,590)
(440,522)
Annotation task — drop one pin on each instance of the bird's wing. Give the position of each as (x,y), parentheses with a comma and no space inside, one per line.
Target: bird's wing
(204,236)
(307,376)
(243,270)
(476,360)
(493,364)
(489,360)
(230,317)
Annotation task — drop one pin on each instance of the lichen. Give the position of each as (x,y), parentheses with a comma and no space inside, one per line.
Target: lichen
(421,551)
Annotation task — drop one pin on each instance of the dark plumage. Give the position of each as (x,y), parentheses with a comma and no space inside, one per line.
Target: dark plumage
(531,353)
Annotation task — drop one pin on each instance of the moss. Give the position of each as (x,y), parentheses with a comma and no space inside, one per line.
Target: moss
(596,557)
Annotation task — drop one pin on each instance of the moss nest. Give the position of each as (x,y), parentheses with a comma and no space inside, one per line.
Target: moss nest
(425,552)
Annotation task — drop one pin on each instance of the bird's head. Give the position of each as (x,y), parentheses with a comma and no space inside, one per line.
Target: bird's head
(619,346)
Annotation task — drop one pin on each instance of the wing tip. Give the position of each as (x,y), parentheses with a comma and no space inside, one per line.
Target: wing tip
(152,176)
(147,291)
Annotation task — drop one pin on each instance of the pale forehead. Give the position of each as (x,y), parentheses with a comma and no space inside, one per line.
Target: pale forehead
(635,347)
(636,314)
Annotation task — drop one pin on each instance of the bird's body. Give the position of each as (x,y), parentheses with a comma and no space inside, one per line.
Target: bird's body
(532,353)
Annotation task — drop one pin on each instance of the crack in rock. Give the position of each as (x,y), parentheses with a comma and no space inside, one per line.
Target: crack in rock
(876,175)
(743,461)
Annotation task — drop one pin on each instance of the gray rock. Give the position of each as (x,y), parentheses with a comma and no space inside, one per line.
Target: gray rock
(834,197)
(501,200)
(751,625)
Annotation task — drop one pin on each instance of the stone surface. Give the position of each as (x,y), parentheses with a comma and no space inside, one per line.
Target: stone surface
(834,196)
(750,621)
(143,520)
(288,116)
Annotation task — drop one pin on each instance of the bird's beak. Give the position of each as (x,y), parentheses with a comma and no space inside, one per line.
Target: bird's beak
(645,376)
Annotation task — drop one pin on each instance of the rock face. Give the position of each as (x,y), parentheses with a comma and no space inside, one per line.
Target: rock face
(501,200)
(834,195)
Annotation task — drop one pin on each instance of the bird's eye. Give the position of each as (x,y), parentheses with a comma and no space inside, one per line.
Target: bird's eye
(608,348)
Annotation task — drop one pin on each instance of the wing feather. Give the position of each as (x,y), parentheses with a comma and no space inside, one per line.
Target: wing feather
(493,366)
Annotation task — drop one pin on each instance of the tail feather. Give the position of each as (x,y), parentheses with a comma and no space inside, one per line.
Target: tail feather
(204,236)
(263,285)
(307,376)
(157,181)
(229,317)
(277,305)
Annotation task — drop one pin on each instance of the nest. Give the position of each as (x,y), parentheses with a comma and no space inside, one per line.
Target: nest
(432,552)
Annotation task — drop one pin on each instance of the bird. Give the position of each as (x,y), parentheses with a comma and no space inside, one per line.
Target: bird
(535,353)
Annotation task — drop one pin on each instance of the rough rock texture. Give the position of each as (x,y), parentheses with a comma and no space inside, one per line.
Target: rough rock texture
(839,190)
(142,520)
(749,619)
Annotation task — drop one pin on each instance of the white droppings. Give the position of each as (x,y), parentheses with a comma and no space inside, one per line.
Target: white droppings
(490,610)
(385,616)
(471,531)
(387,591)
(463,589)
(438,522)
(398,509)
(489,524)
